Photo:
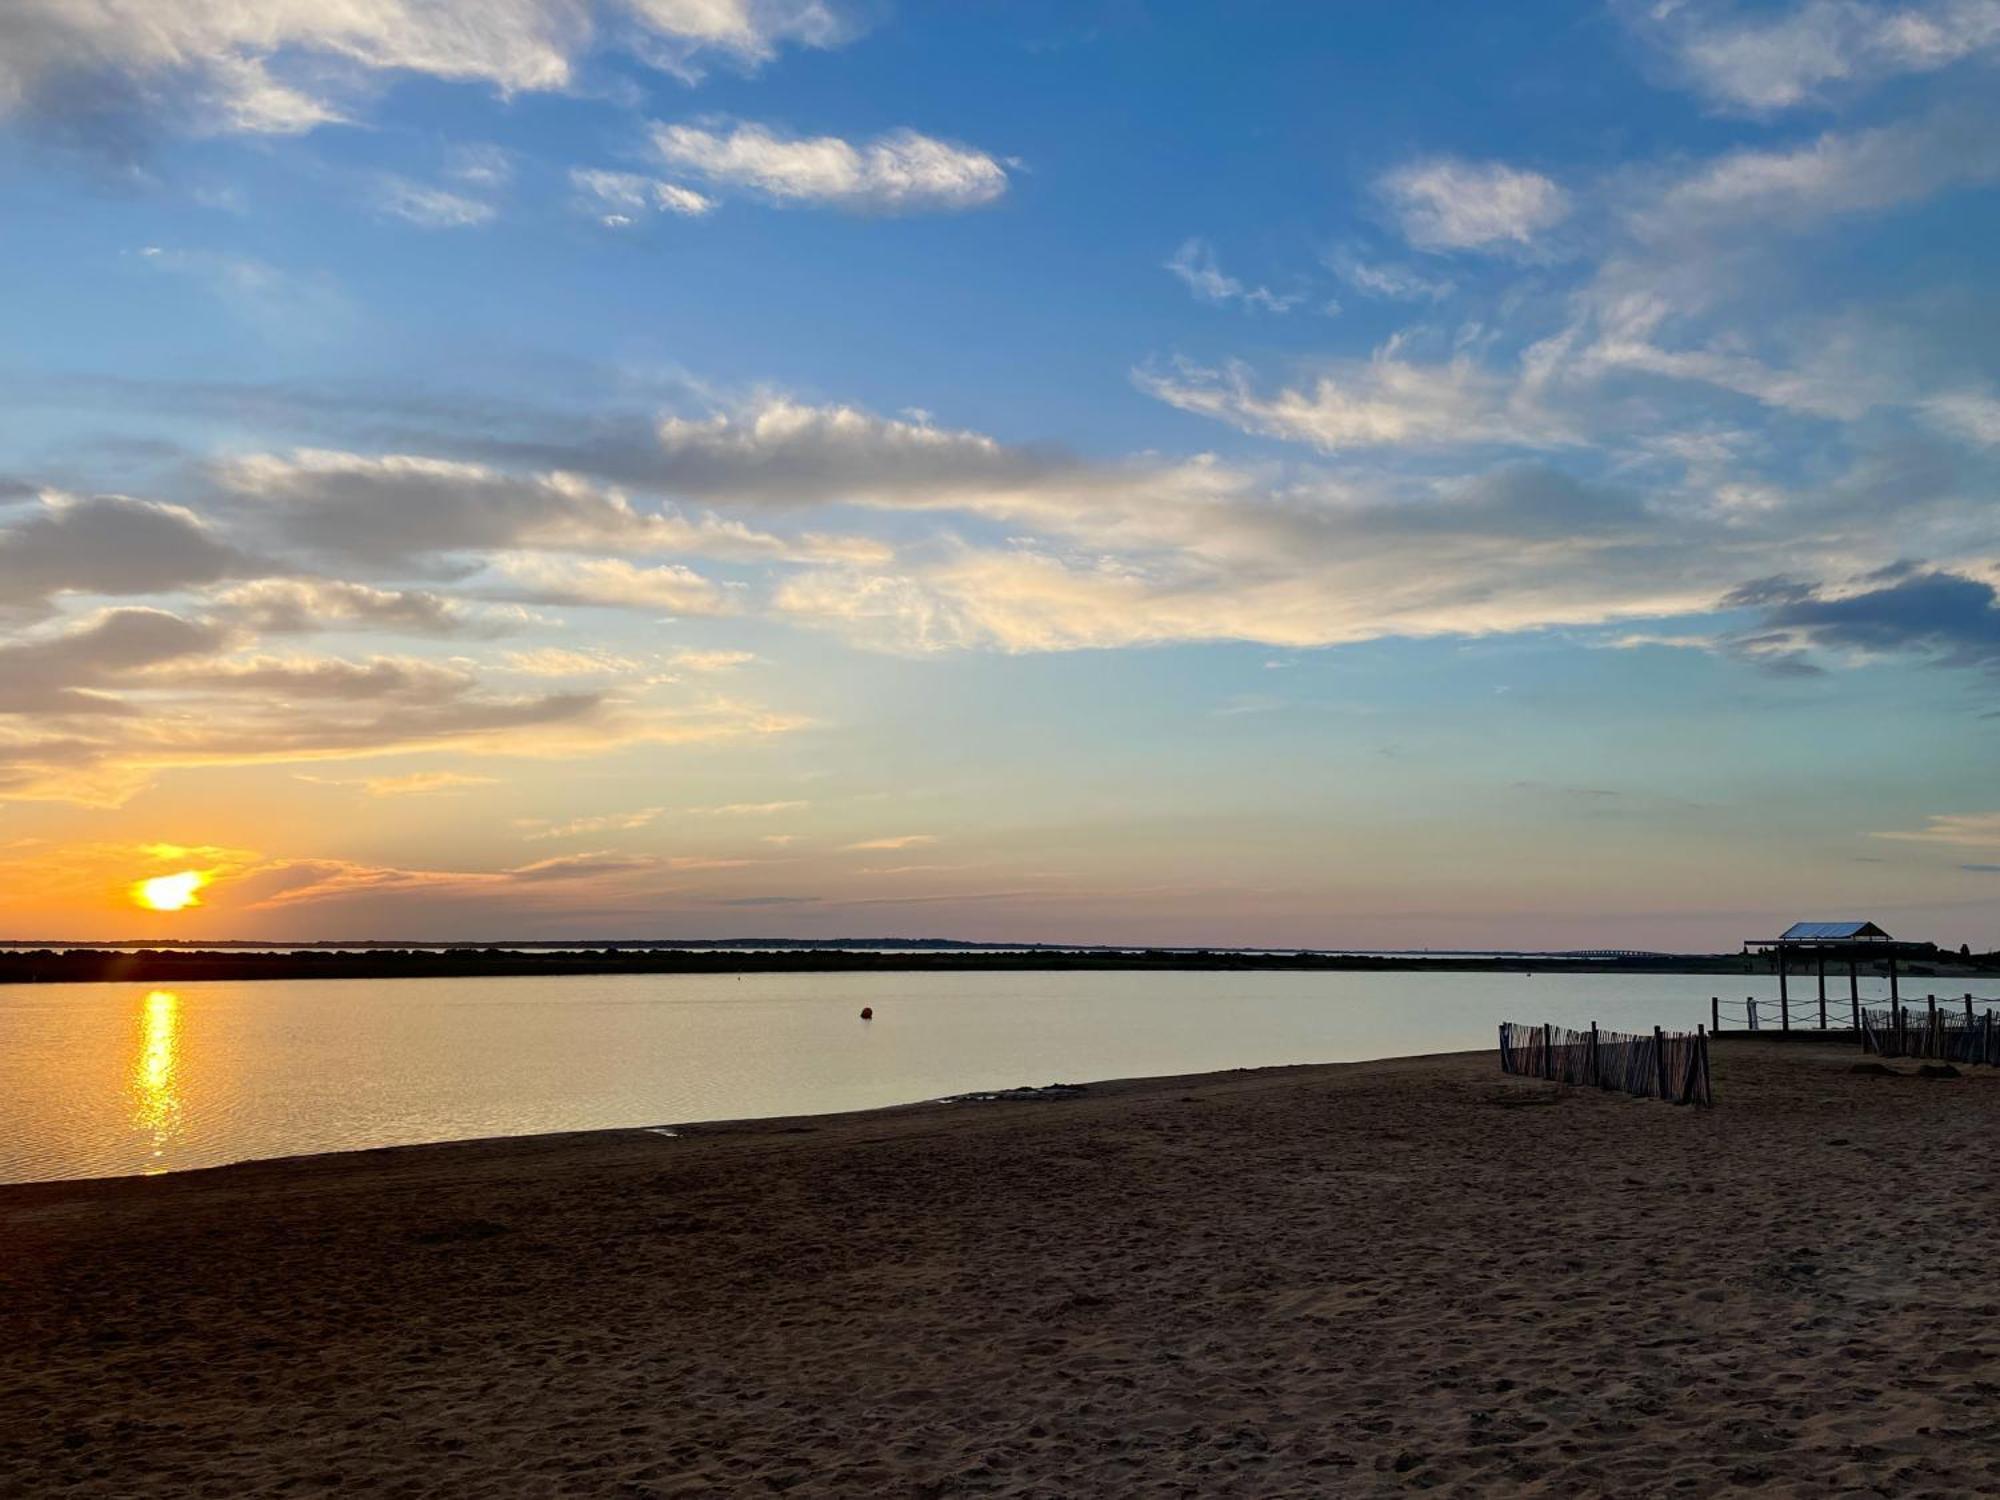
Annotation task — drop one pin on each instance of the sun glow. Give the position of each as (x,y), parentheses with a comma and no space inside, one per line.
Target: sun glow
(174,892)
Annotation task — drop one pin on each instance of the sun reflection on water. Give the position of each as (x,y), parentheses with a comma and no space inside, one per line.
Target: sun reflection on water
(156,1099)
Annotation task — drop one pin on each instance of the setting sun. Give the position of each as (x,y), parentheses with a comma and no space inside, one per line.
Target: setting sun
(170,892)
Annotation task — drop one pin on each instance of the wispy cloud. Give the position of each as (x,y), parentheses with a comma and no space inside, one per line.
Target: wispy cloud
(432,207)
(1767,60)
(412,784)
(284,67)
(1197,268)
(899,841)
(620,199)
(1959,830)
(901,172)
(622,822)
(1444,203)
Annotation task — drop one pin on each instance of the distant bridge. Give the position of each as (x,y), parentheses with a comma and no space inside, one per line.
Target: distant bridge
(1611,953)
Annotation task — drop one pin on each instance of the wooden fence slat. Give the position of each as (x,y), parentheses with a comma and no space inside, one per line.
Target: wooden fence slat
(1668,1066)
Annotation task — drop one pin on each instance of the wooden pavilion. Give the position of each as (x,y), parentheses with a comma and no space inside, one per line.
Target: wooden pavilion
(1853,943)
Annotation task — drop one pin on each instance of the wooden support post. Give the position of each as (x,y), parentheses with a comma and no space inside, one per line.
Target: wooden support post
(1548,1050)
(1784,994)
(1597,1081)
(1698,1068)
(1715,1012)
(1894,997)
(1854,991)
(1660,1062)
(1822,991)
(1968,1007)
(1750,1010)
(1931,1028)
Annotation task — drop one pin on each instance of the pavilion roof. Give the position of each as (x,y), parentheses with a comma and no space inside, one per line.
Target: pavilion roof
(1838,932)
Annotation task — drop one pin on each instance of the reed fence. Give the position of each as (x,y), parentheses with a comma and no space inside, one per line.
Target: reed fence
(1942,1034)
(1669,1065)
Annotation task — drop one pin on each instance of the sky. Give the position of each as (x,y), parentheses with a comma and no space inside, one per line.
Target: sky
(1320,474)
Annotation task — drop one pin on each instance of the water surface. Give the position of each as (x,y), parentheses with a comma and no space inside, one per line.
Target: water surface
(102,1079)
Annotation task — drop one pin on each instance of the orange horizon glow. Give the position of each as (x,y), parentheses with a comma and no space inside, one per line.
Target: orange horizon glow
(176,892)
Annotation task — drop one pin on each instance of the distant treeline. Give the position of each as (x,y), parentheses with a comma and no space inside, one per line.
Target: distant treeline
(180,965)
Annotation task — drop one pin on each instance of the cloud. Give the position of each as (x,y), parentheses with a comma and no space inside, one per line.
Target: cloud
(711,661)
(1766,62)
(310,882)
(1951,619)
(1958,830)
(1210,552)
(299,606)
(1839,173)
(562,661)
(281,680)
(617,199)
(110,544)
(413,784)
(748,32)
(1973,415)
(92,711)
(1399,283)
(1443,203)
(432,207)
(65,673)
(625,822)
(399,508)
(1198,269)
(613,582)
(282,67)
(900,841)
(1387,400)
(75,754)
(748,809)
(901,172)
(776,450)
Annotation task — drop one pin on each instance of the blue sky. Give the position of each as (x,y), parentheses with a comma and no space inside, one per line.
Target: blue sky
(1321,474)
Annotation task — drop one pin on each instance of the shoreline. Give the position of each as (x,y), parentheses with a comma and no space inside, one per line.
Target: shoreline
(742,1126)
(1352,1277)
(166,966)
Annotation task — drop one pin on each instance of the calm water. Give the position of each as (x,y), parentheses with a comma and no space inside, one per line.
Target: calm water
(103,1079)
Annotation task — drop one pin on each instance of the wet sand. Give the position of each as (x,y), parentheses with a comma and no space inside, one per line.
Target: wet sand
(1343,1280)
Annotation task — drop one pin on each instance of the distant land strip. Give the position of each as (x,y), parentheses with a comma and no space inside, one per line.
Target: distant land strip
(181,965)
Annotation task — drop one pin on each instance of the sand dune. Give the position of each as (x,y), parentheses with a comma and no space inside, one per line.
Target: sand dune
(1344,1280)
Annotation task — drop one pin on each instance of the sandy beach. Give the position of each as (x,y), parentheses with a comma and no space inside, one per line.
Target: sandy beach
(1358,1279)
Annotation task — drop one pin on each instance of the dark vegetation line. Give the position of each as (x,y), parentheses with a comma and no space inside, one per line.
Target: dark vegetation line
(170,966)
